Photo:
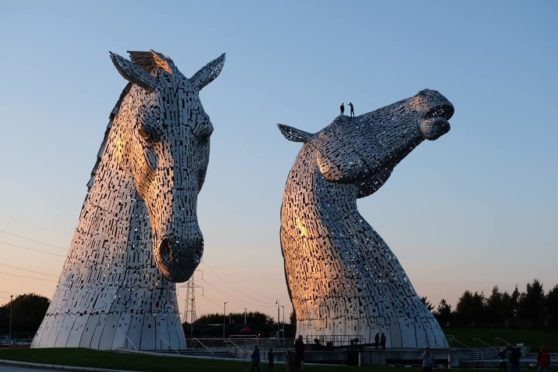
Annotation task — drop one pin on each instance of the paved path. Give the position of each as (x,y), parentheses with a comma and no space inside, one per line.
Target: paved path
(23,369)
(9,365)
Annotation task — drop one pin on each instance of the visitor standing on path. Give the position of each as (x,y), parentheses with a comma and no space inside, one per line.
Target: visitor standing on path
(270,360)
(383,341)
(543,360)
(515,356)
(342,108)
(352,109)
(256,359)
(427,360)
(502,355)
(299,352)
(377,340)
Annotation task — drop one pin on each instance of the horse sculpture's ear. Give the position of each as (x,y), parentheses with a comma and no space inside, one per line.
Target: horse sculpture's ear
(208,73)
(133,73)
(293,134)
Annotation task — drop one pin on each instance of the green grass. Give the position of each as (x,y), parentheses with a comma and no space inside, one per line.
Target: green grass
(532,338)
(137,362)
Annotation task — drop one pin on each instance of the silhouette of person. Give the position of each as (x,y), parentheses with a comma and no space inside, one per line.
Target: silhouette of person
(270,360)
(299,353)
(502,356)
(256,359)
(543,360)
(383,341)
(377,340)
(342,108)
(352,109)
(427,360)
(513,358)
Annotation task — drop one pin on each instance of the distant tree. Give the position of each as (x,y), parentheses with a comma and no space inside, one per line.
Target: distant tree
(551,307)
(443,313)
(210,325)
(427,303)
(500,308)
(28,311)
(471,310)
(531,304)
(515,299)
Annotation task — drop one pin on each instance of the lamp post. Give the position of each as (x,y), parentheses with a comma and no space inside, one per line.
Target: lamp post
(11,311)
(283,323)
(278,319)
(224,307)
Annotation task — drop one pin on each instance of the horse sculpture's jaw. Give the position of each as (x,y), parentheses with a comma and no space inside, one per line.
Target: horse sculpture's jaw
(343,279)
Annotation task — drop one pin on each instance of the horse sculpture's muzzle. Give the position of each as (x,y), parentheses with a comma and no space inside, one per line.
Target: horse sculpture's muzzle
(178,257)
(435,122)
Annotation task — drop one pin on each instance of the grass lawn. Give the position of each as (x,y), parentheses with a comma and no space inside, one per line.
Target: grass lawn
(106,359)
(532,338)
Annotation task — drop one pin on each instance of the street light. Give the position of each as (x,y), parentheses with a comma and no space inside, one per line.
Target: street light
(278,319)
(224,307)
(283,323)
(11,311)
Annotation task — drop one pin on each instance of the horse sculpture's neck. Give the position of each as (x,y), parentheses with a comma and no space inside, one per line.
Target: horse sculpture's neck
(110,294)
(343,279)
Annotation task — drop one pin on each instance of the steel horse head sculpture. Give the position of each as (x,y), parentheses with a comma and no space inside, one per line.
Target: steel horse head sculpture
(138,230)
(343,279)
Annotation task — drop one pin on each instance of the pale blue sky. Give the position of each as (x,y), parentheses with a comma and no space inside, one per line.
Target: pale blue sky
(474,209)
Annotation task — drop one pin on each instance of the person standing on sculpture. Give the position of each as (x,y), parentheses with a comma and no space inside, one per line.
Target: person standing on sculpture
(256,359)
(352,109)
(383,341)
(299,352)
(377,340)
(342,109)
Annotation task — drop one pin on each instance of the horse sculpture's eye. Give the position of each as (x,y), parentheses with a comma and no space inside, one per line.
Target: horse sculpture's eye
(147,135)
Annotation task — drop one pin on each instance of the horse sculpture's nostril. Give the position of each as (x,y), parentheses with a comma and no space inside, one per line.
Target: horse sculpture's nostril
(442,111)
(165,250)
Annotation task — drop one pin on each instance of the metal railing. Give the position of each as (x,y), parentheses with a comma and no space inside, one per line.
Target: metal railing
(235,347)
(244,343)
(333,340)
(126,341)
(202,344)
(455,340)
(500,339)
(481,341)
(161,339)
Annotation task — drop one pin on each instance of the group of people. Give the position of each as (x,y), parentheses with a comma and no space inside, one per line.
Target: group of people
(351,107)
(511,356)
(380,340)
(299,357)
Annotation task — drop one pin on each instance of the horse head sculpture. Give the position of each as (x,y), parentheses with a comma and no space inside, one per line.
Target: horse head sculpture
(364,150)
(167,144)
(342,277)
(138,231)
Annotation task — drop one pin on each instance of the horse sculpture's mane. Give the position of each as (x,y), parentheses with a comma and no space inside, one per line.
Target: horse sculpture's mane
(148,61)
